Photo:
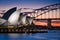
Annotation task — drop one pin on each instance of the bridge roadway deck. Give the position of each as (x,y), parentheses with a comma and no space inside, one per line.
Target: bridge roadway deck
(48,19)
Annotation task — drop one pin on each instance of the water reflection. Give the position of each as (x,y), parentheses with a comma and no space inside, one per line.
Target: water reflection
(13,35)
(51,35)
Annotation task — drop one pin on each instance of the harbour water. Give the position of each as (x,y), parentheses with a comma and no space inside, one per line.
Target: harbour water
(51,35)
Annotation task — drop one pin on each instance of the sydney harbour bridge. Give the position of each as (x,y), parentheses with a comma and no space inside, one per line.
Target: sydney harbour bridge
(50,12)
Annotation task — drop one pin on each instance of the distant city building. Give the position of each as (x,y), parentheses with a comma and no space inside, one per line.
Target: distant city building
(26,9)
(2,12)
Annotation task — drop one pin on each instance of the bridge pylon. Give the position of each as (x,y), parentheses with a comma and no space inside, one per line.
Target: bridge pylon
(49,23)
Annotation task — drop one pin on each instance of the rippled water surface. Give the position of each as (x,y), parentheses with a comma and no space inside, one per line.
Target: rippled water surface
(51,35)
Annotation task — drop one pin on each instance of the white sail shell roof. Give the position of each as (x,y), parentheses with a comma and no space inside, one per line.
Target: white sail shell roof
(13,19)
(30,20)
(2,21)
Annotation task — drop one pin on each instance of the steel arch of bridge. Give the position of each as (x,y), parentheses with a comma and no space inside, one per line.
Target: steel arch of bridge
(45,10)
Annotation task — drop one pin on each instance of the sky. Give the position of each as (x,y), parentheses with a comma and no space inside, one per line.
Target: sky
(7,4)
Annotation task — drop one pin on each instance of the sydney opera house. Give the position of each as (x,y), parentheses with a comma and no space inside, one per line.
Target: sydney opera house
(15,17)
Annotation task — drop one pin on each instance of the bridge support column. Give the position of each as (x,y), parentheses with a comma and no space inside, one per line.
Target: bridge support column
(49,23)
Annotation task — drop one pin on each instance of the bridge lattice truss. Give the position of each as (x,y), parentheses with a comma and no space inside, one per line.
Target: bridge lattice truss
(47,12)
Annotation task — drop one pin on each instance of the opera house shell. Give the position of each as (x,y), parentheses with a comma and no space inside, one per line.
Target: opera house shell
(14,16)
